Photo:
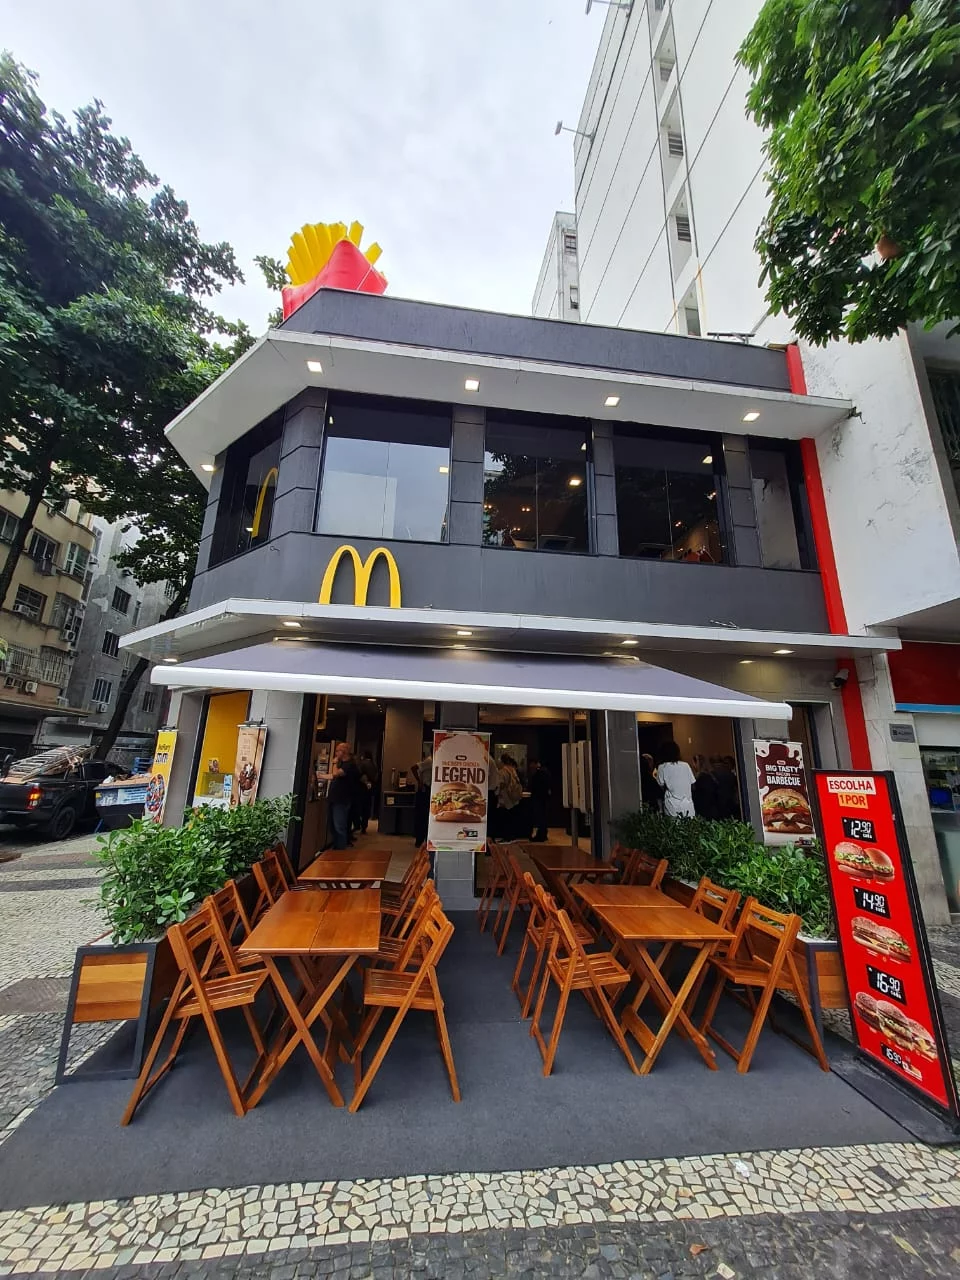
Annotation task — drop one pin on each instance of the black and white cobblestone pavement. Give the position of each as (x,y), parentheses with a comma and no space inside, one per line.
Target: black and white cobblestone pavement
(890,1211)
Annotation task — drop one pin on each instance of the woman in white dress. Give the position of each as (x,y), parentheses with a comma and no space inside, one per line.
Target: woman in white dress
(677,779)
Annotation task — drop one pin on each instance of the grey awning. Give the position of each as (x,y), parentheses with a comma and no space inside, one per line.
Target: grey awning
(446,675)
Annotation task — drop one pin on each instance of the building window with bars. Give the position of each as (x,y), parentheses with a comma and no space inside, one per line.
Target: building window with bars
(683,228)
(9,524)
(149,701)
(53,666)
(111,644)
(29,604)
(170,590)
(675,142)
(102,690)
(63,607)
(21,661)
(121,600)
(43,551)
(570,242)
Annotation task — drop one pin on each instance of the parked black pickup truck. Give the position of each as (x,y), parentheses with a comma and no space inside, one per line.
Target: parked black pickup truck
(54,790)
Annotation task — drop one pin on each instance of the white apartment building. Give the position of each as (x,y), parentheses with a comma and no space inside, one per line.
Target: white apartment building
(669,194)
(557,295)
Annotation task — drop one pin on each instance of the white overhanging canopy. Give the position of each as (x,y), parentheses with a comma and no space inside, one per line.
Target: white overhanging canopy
(594,684)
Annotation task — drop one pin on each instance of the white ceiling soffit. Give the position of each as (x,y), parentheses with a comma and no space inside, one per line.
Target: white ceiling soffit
(234,622)
(506,679)
(274,370)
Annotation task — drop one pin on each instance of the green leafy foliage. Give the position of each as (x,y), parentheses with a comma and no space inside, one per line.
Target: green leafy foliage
(862,101)
(155,876)
(786,878)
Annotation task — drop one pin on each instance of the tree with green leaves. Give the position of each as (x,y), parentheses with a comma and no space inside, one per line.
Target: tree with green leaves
(862,102)
(105,334)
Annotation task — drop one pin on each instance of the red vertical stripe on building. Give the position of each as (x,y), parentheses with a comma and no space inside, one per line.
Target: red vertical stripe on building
(833,598)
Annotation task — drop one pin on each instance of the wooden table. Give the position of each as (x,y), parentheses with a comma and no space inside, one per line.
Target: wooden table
(636,928)
(624,895)
(339,870)
(333,924)
(564,867)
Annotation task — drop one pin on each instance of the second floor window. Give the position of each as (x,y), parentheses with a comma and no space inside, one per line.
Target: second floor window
(9,523)
(77,561)
(386,469)
(102,690)
(43,550)
(29,604)
(121,600)
(245,509)
(534,483)
(149,701)
(111,644)
(64,607)
(779,499)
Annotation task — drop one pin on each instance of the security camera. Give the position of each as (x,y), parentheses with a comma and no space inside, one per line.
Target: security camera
(841,678)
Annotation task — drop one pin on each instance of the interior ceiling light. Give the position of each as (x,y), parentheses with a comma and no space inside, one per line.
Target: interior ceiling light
(471,384)
(629,641)
(315,366)
(289,622)
(611,402)
(207,466)
(707,460)
(712,495)
(171,659)
(752,416)
(574,481)
(745,662)
(583,447)
(462,632)
(443,470)
(781,651)
(371,699)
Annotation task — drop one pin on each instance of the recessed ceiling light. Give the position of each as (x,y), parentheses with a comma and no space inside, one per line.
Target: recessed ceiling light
(315,366)
(752,416)
(629,641)
(574,481)
(462,632)
(207,466)
(329,708)
(289,622)
(783,651)
(611,402)
(249,528)
(443,470)
(171,659)
(583,447)
(471,384)
(371,699)
(707,460)
(745,662)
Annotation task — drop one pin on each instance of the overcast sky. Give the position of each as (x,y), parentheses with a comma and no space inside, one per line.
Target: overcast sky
(430,121)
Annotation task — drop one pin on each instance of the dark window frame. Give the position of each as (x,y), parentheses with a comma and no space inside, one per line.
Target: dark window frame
(118,596)
(110,645)
(799,501)
(230,505)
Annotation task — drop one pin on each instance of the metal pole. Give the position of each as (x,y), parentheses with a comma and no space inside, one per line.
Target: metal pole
(574,816)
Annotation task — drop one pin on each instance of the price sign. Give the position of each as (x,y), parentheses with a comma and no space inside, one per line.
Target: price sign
(859,829)
(893,999)
(871,900)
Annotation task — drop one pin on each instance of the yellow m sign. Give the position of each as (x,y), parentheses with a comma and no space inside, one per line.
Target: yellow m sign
(362,570)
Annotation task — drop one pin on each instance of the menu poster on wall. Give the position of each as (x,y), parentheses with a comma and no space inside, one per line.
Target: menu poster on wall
(155,802)
(883,944)
(458,792)
(251,740)
(784,798)
(319,773)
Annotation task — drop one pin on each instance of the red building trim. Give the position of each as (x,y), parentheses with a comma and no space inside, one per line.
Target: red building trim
(833,597)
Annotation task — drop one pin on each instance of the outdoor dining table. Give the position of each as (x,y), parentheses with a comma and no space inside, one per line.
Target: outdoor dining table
(564,867)
(624,895)
(636,929)
(333,925)
(338,870)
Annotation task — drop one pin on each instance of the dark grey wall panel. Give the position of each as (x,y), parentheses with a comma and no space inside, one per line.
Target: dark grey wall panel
(444,328)
(492,579)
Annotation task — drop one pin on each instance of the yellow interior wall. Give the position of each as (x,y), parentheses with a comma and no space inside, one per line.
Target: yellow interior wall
(225,713)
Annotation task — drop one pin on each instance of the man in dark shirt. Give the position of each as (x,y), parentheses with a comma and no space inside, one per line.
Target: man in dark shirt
(344,783)
(538,780)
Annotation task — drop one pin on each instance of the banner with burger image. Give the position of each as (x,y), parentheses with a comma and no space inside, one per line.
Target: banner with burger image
(458,792)
(784,799)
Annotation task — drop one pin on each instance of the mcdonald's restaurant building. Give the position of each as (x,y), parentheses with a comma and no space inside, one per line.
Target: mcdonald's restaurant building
(422,516)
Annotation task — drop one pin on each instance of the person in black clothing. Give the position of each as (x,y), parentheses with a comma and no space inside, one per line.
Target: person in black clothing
(538,780)
(651,792)
(704,790)
(341,793)
(728,787)
(369,777)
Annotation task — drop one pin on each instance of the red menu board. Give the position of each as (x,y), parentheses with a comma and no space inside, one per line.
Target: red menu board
(893,999)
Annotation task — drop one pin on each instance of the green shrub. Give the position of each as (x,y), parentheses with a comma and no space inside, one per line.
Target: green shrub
(155,876)
(786,877)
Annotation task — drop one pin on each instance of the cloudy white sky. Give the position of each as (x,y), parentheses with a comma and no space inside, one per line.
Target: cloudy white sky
(430,121)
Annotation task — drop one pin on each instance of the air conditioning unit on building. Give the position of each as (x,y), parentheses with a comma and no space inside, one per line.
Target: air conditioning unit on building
(63,700)
(30,686)
(22,609)
(100,708)
(11,682)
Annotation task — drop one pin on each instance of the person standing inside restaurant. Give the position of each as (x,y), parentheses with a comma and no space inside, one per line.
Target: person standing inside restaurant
(651,792)
(538,780)
(369,777)
(509,794)
(676,778)
(706,797)
(728,787)
(344,780)
(423,773)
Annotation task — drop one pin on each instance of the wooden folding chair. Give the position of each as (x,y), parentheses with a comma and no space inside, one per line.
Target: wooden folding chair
(197,945)
(514,896)
(233,927)
(397,950)
(405,990)
(271,883)
(758,965)
(641,868)
(537,936)
(286,866)
(498,881)
(396,904)
(573,969)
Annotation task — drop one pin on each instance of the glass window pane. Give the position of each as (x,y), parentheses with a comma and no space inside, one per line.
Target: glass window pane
(774,505)
(667,505)
(386,472)
(534,487)
(245,510)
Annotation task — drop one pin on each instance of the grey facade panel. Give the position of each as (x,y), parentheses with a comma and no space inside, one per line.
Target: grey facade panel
(293,512)
(300,469)
(448,576)
(445,328)
(467,441)
(741,506)
(608,536)
(605,491)
(466,523)
(467,482)
(746,543)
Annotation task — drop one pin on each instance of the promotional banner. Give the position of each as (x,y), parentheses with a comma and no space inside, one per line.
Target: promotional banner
(156,798)
(883,944)
(458,792)
(784,798)
(251,740)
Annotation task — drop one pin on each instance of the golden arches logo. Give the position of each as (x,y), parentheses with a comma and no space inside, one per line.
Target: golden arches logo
(271,477)
(362,571)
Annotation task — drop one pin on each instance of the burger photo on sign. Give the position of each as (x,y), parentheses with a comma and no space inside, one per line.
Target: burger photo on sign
(458,802)
(863,861)
(787,810)
(880,939)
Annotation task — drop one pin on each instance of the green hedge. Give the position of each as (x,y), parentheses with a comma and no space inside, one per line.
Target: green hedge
(786,877)
(156,876)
